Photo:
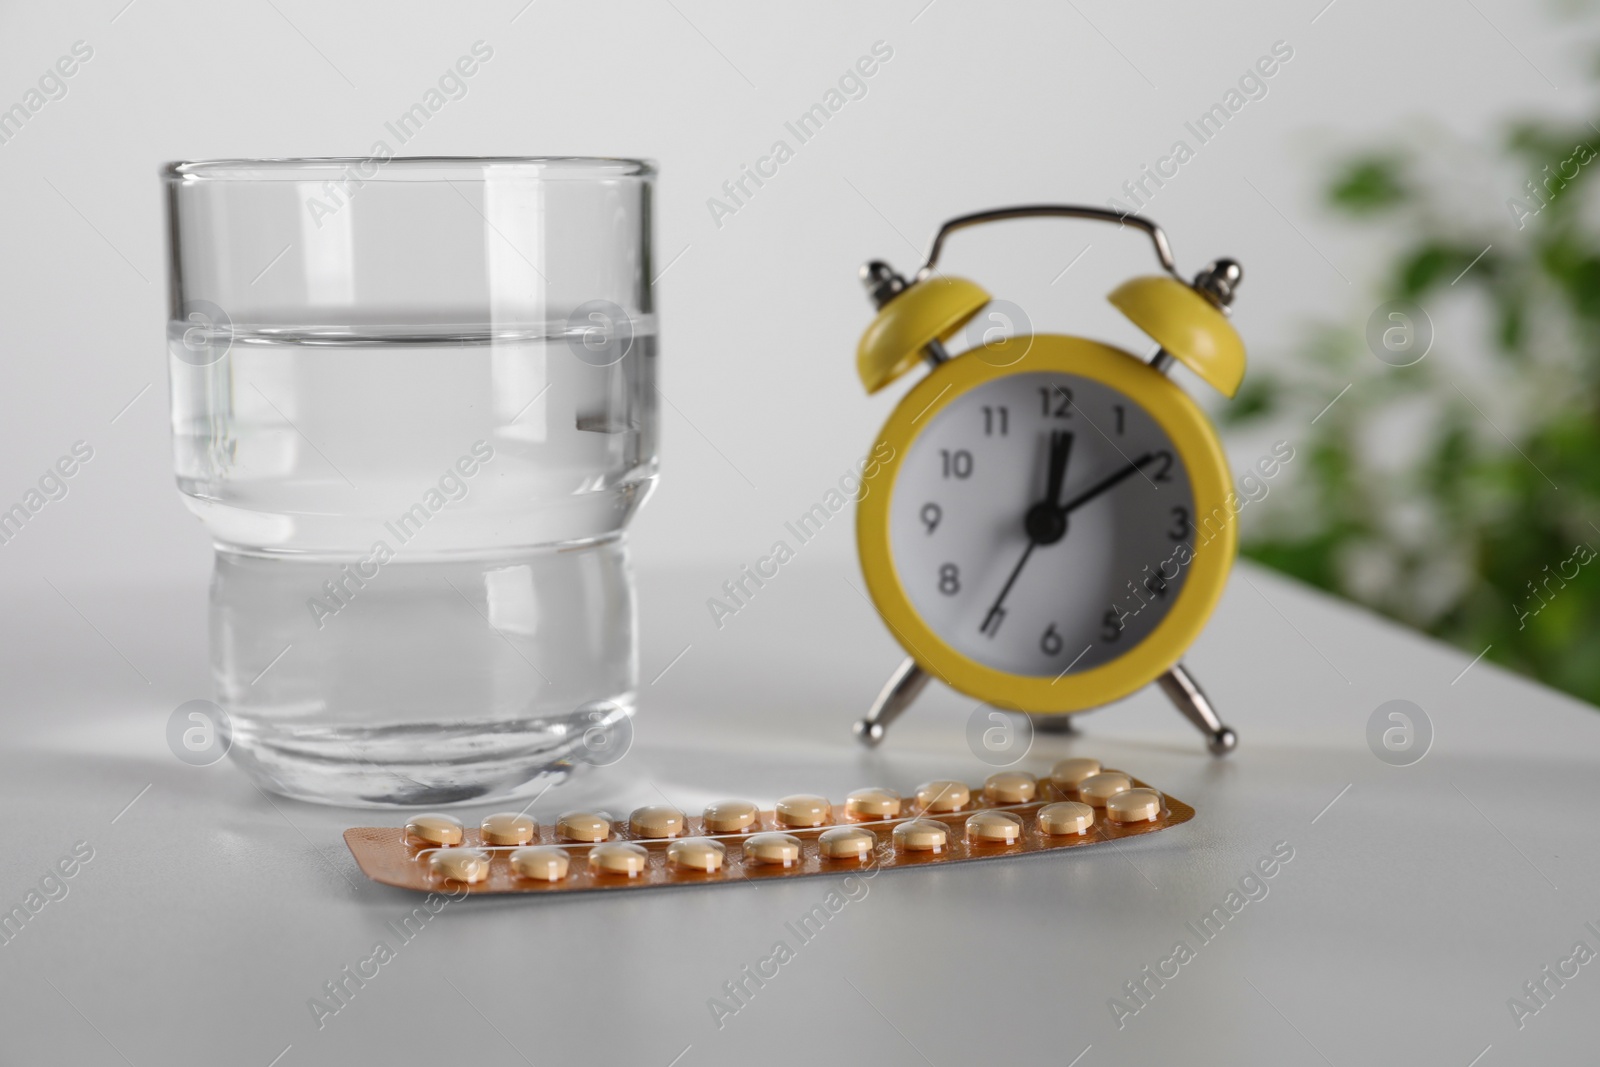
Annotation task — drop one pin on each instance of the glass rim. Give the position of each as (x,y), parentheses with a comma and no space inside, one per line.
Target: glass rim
(406,168)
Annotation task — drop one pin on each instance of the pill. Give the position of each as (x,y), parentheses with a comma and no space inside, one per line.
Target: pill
(619,857)
(803,810)
(942,796)
(1010,787)
(583,826)
(921,835)
(1067,817)
(546,863)
(697,854)
(729,816)
(872,803)
(508,828)
(1066,774)
(461,864)
(434,829)
(994,826)
(656,820)
(1134,805)
(846,842)
(781,849)
(1097,787)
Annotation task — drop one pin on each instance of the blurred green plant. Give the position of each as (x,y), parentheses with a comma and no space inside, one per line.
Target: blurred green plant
(1459,494)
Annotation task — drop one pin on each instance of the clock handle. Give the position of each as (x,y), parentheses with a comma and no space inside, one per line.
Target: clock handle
(1185,692)
(903,687)
(1120,219)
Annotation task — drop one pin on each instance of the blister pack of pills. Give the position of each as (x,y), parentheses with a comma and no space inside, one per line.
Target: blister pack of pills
(1078,804)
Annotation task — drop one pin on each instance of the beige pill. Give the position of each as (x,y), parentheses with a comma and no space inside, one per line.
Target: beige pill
(461,864)
(583,826)
(1010,787)
(921,835)
(994,826)
(619,857)
(1134,805)
(781,849)
(1096,788)
(508,828)
(942,796)
(873,803)
(547,863)
(434,829)
(656,820)
(729,816)
(697,854)
(1067,817)
(803,810)
(1069,772)
(846,843)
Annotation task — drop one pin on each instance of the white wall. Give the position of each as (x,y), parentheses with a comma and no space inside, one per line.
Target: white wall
(981,105)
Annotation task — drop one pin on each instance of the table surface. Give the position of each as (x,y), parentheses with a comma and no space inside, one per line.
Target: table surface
(1418,902)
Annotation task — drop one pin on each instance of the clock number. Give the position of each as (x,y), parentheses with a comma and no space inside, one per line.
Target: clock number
(1058,395)
(1164,474)
(996,417)
(1050,644)
(931,514)
(949,579)
(1180,524)
(957,463)
(1155,584)
(1121,417)
(1111,626)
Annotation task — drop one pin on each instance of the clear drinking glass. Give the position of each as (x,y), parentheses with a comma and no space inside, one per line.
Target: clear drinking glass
(413,400)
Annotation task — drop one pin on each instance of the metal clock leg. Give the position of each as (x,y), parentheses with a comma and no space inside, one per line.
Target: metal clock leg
(902,688)
(1185,692)
(1055,725)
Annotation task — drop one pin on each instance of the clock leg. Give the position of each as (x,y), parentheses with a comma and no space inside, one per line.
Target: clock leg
(902,688)
(1055,725)
(1185,692)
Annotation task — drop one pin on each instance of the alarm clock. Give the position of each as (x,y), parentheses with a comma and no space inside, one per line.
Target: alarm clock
(1054,522)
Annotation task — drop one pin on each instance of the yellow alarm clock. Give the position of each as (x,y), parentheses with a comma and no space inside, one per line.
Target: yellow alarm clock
(1053,526)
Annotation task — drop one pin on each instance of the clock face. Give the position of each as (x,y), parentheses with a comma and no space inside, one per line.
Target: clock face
(1042,523)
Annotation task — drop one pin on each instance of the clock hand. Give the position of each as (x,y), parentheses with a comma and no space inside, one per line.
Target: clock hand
(1107,483)
(997,610)
(1045,522)
(1060,450)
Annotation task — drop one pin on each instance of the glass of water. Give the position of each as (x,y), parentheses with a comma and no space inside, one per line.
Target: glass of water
(414,403)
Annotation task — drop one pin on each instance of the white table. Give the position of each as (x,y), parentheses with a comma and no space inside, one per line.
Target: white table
(1418,900)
